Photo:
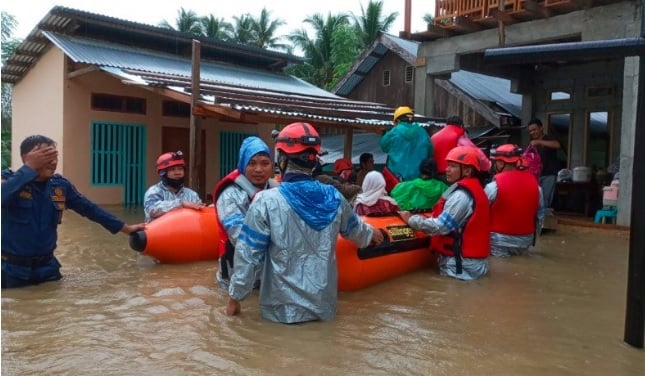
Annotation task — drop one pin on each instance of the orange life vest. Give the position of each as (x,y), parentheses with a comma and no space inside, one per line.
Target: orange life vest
(473,240)
(515,207)
(235,177)
(443,141)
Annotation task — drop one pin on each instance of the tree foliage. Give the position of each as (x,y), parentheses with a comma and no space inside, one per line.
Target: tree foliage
(9,45)
(371,22)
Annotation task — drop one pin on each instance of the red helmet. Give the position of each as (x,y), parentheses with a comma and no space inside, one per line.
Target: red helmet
(297,137)
(465,155)
(168,160)
(508,153)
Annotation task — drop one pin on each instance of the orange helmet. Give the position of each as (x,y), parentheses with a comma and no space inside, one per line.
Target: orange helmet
(508,153)
(465,155)
(298,137)
(168,160)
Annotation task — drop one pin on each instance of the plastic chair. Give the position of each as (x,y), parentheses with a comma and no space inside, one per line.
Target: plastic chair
(606,213)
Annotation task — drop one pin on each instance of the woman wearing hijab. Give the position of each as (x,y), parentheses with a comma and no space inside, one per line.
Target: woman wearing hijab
(374,198)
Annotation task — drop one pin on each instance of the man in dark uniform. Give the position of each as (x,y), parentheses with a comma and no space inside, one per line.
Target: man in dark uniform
(547,147)
(33,200)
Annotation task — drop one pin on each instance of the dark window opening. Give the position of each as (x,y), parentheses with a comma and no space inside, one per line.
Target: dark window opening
(118,103)
(174,108)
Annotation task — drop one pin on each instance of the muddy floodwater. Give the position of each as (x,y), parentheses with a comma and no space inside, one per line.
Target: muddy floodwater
(558,311)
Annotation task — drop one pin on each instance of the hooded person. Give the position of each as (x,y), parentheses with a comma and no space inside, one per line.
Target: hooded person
(460,221)
(233,195)
(290,233)
(421,193)
(374,199)
(406,145)
(169,193)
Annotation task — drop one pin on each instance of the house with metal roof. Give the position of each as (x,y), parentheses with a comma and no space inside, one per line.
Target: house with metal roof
(115,94)
(574,64)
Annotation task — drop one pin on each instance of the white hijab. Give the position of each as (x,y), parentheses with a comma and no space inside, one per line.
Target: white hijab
(373,190)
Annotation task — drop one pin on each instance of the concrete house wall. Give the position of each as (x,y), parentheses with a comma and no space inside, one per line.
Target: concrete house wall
(60,107)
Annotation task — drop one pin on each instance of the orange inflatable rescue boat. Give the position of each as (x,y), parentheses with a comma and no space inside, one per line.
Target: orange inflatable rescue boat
(182,235)
(406,251)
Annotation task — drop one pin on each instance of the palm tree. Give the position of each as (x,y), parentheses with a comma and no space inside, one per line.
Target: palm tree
(243,29)
(427,18)
(9,45)
(187,22)
(372,21)
(264,30)
(320,67)
(216,28)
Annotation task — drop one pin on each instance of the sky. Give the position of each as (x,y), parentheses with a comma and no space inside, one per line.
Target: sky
(29,12)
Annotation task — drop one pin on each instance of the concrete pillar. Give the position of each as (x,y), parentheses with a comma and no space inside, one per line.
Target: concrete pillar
(627,133)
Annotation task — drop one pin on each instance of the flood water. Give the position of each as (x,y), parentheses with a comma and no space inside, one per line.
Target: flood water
(558,311)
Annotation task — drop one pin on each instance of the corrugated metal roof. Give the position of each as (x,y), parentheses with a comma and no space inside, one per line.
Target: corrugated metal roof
(489,89)
(101,53)
(409,46)
(479,86)
(94,26)
(220,98)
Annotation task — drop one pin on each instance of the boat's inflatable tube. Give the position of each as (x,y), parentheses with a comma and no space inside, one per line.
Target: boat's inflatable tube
(182,235)
(408,250)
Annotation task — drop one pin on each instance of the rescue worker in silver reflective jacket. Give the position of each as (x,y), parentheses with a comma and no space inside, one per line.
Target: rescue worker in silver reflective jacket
(233,195)
(291,232)
(460,222)
(170,193)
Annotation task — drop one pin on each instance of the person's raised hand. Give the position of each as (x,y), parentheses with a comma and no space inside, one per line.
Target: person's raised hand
(40,156)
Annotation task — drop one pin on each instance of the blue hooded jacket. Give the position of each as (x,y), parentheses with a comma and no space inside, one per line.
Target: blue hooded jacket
(250,147)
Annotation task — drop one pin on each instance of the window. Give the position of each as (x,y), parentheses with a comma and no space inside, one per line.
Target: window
(117,103)
(174,108)
(386,78)
(106,154)
(409,74)
(598,140)
(559,95)
(600,92)
(559,126)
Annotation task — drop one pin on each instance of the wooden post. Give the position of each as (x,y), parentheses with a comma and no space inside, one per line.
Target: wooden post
(635,309)
(501,31)
(349,140)
(193,180)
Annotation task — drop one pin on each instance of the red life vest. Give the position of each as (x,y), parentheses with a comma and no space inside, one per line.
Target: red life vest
(235,177)
(443,141)
(475,236)
(515,207)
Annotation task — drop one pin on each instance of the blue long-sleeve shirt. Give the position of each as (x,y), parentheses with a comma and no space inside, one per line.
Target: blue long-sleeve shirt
(31,212)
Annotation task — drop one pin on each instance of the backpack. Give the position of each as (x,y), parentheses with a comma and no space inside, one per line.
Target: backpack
(531,161)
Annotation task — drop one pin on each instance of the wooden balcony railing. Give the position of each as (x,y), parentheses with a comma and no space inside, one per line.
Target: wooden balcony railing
(447,11)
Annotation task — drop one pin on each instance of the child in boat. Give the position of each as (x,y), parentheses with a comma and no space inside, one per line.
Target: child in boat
(460,222)
(170,193)
(290,232)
